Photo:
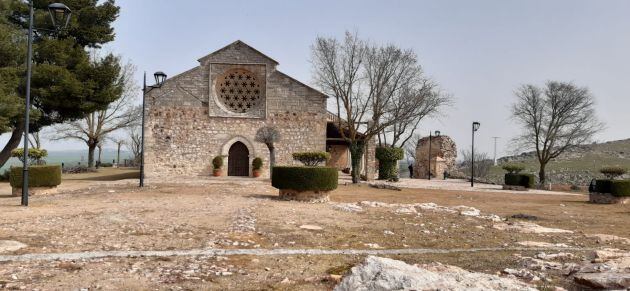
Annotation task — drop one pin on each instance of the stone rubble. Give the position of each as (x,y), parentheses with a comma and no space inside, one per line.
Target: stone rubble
(377,273)
(10,246)
(415,208)
(527,227)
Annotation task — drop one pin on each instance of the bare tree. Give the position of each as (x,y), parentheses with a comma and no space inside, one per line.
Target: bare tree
(425,100)
(410,147)
(483,163)
(95,126)
(135,143)
(364,79)
(554,118)
(269,135)
(119,143)
(34,140)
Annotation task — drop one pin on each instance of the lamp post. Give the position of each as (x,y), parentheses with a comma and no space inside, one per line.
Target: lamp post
(60,16)
(475,127)
(437,134)
(160,77)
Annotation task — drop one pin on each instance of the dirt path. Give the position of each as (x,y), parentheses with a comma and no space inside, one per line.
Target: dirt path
(264,252)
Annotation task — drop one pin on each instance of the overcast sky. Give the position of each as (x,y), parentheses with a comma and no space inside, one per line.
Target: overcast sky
(479,51)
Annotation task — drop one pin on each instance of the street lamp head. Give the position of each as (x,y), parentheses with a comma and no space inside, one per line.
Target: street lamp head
(60,15)
(160,77)
(437,133)
(476,125)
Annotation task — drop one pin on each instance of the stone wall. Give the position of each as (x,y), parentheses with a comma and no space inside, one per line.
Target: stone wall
(443,157)
(185,126)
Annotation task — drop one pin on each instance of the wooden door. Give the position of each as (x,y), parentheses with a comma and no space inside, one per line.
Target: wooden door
(238,160)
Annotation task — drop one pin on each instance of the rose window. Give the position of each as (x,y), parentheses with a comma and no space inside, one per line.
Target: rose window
(239,90)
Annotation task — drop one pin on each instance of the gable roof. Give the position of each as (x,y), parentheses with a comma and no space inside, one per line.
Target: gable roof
(235,44)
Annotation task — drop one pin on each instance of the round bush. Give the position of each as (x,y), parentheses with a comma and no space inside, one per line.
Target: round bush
(305,178)
(311,158)
(38,176)
(387,162)
(257,163)
(217,162)
(613,172)
(603,186)
(513,168)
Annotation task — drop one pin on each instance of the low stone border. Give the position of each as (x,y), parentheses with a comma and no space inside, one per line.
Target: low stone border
(514,188)
(607,198)
(306,196)
(35,191)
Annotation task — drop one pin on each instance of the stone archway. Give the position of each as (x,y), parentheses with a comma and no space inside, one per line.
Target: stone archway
(238,160)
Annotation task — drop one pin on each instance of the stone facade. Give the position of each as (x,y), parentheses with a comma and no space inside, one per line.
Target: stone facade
(190,119)
(443,156)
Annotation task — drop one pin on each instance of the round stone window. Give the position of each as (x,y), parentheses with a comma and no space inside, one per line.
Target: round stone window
(239,90)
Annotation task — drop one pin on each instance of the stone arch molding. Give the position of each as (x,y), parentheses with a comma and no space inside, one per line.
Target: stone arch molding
(250,147)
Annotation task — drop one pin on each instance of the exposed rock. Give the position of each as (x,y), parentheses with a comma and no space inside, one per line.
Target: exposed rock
(348,207)
(604,280)
(10,246)
(528,227)
(521,274)
(540,244)
(468,211)
(386,274)
(609,238)
(385,186)
(311,227)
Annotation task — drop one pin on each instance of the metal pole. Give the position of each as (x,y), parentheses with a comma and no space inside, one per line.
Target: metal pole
(495,149)
(27,108)
(430,133)
(144,92)
(472,167)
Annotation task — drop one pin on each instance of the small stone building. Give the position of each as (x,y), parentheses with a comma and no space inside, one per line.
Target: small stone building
(442,158)
(216,108)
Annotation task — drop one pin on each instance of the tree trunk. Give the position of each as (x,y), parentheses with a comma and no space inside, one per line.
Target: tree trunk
(91,149)
(272,157)
(118,156)
(356,153)
(14,142)
(541,174)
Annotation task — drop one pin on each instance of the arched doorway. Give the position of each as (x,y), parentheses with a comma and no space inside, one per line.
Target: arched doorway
(238,160)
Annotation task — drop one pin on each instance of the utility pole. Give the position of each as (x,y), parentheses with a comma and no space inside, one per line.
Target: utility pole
(495,148)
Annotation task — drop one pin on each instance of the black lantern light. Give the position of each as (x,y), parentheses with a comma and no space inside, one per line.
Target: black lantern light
(160,77)
(476,125)
(437,133)
(60,15)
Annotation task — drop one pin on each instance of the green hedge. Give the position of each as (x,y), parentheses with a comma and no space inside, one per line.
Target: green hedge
(525,180)
(305,178)
(617,188)
(387,162)
(38,176)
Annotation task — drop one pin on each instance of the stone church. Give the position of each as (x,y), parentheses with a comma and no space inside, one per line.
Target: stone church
(217,107)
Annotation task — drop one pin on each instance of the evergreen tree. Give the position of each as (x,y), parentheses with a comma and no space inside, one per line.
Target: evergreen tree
(66,85)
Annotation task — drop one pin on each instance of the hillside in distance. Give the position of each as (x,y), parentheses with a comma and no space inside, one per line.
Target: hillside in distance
(576,166)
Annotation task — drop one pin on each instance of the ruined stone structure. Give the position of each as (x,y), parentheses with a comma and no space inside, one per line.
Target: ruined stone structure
(216,109)
(443,156)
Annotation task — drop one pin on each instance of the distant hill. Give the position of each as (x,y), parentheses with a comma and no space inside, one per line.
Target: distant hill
(576,166)
(73,157)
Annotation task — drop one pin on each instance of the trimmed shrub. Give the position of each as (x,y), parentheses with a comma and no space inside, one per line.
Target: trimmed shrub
(603,185)
(305,178)
(387,162)
(38,176)
(217,162)
(311,159)
(106,165)
(525,180)
(513,168)
(35,155)
(613,172)
(620,188)
(4,176)
(257,163)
